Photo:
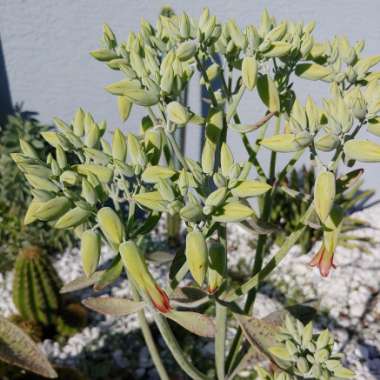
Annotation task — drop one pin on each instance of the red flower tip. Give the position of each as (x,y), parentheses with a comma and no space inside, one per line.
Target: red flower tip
(162,305)
(211,290)
(323,260)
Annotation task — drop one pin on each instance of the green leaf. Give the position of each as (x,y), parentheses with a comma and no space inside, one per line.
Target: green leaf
(348,180)
(250,188)
(280,352)
(344,373)
(153,174)
(114,306)
(17,348)
(133,91)
(124,106)
(312,71)
(188,297)
(122,87)
(233,212)
(196,323)
(260,333)
(148,224)
(160,257)
(81,282)
(152,200)
(268,93)
(178,262)
(362,150)
(249,69)
(103,55)
(110,275)
(283,143)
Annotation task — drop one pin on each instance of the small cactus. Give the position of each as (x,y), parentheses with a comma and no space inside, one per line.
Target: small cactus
(36,286)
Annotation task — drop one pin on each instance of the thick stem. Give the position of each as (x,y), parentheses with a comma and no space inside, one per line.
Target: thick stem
(154,353)
(176,349)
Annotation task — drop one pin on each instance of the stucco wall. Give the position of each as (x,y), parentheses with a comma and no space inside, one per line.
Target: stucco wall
(46,44)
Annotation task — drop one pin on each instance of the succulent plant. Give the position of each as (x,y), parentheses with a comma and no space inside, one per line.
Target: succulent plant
(115,193)
(286,212)
(301,354)
(15,195)
(18,349)
(43,311)
(36,287)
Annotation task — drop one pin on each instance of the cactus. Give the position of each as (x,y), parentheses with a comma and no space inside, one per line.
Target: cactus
(36,286)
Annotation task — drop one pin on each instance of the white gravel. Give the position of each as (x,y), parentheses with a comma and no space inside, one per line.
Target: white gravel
(349,300)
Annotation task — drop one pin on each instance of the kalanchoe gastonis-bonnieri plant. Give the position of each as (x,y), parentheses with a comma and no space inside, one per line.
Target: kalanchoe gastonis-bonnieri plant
(286,211)
(300,354)
(116,192)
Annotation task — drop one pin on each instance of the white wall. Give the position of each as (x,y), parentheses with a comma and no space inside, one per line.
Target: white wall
(46,45)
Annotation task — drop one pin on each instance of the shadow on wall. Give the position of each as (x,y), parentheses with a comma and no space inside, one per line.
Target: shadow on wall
(5,94)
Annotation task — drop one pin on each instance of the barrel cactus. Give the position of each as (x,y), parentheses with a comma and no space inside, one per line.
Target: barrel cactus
(36,286)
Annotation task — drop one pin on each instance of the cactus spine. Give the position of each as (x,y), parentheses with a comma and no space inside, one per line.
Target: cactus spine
(36,286)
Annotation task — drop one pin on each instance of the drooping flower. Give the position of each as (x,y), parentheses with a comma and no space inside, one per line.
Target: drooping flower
(137,269)
(324,260)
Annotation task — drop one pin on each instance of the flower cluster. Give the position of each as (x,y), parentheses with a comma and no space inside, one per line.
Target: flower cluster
(116,192)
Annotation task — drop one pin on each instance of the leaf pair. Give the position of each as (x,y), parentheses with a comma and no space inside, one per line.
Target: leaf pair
(197,323)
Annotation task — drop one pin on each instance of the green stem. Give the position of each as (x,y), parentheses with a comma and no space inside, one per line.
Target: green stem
(177,151)
(252,151)
(176,349)
(220,339)
(207,82)
(177,279)
(221,322)
(253,158)
(232,358)
(273,263)
(152,115)
(147,334)
(289,166)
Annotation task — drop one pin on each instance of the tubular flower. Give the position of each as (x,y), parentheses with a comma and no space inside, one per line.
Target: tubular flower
(324,260)
(138,271)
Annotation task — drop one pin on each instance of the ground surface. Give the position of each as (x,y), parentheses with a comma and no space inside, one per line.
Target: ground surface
(349,306)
